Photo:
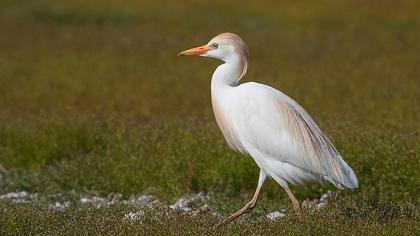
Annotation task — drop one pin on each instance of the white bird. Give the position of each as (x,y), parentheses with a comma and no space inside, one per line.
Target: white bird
(283,139)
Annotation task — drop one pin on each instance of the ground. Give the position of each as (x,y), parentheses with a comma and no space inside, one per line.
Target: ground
(95,104)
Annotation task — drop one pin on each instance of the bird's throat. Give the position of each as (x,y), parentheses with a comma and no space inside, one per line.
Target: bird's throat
(227,74)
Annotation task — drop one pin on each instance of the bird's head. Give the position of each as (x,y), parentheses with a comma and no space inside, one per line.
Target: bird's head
(226,47)
(221,47)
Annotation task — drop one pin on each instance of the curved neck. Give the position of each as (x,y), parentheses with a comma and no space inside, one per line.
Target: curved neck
(229,73)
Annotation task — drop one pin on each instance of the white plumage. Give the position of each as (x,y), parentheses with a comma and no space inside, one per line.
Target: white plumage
(282,138)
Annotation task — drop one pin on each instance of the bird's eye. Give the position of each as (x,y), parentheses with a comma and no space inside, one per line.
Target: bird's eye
(214,45)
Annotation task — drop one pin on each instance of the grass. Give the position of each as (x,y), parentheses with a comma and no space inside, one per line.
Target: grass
(94,100)
(110,222)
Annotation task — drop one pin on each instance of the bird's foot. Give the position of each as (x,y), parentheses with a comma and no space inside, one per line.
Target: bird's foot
(237,214)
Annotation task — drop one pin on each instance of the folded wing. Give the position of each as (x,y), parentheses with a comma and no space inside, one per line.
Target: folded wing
(276,125)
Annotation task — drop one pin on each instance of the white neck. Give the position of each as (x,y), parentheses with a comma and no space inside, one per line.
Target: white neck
(228,74)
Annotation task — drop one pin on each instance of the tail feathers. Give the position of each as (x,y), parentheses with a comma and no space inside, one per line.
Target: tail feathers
(351,181)
(345,179)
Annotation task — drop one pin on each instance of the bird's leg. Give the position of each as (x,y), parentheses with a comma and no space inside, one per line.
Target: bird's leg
(251,204)
(295,202)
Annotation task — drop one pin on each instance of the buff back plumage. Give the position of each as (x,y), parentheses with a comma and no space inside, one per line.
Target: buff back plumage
(318,154)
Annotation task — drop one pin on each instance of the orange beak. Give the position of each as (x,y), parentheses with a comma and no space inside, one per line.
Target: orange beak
(195,51)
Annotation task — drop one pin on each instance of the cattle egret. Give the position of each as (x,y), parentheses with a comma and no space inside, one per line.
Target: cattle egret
(283,139)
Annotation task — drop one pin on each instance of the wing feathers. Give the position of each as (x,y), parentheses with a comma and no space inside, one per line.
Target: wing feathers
(317,152)
(259,117)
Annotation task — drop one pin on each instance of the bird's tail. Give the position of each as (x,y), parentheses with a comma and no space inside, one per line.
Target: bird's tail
(347,178)
(351,179)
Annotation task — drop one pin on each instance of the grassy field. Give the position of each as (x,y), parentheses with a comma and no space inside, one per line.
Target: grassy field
(94,102)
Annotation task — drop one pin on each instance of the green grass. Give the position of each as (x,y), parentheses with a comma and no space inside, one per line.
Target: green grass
(94,100)
(110,221)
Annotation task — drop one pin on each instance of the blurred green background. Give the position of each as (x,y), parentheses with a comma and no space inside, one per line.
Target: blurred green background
(94,100)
